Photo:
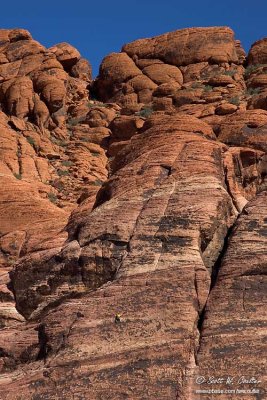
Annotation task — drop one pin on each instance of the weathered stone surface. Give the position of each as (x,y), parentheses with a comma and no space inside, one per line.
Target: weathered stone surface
(226,108)
(151,205)
(258,80)
(19,97)
(248,129)
(141,260)
(258,101)
(257,86)
(13,35)
(221,80)
(114,71)
(258,52)
(163,73)
(39,159)
(124,127)
(145,65)
(67,55)
(187,46)
(42,100)
(82,70)
(234,327)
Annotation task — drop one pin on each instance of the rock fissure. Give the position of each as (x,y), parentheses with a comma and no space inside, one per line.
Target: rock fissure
(228,188)
(214,275)
(43,340)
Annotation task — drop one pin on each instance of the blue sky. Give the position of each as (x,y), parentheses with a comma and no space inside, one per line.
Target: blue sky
(98,28)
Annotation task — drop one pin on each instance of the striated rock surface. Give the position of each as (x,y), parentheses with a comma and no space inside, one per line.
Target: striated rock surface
(47,151)
(151,205)
(234,328)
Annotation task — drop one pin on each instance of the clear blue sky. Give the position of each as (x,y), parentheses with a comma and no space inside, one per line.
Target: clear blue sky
(98,28)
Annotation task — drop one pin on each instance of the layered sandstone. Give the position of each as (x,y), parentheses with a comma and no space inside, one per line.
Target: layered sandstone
(151,205)
(49,145)
(234,328)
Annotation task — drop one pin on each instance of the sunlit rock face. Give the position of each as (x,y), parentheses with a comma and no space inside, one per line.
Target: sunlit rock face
(140,194)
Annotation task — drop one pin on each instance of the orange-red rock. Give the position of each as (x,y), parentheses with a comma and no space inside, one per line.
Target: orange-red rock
(258,52)
(161,234)
(151,205)
(246,129)
(38,171)
(187,46)
(235,315)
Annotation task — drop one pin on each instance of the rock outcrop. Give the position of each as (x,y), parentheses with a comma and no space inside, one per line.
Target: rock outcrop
(205,63)
(141,193)
(234,325)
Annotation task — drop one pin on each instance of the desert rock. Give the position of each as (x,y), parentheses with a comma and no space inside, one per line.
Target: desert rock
(142,194)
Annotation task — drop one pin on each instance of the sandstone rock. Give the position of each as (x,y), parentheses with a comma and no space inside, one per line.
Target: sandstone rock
(129,109)
(163,73)
(220,80)
(14,35)
(258,80)
(116,147)
(114,70)
(82,70)
(162,104)
(226,108)
(258,101)
(203,44)
(172,224)
(22,56)
(66,54)
(36,93)
(211,96)
(240,51)
(100,116)
(185,97)
(246,129)
(237,302)
(41,112)
(134,207)
(20,49)
(19,97)
(258,52)
(158,58)
(194,72)
(97,135)
(198,110)
(244,171)
(52,90)
(124,127)
(166,89)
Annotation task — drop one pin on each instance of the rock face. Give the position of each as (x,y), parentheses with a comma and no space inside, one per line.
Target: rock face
(187,46)
(207,59)
(236,306)
(46,149)
(151,205)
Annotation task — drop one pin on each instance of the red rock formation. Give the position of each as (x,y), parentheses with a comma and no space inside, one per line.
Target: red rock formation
(159,67)
(43,162)
(157,212)
(188,46)
(233,331)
